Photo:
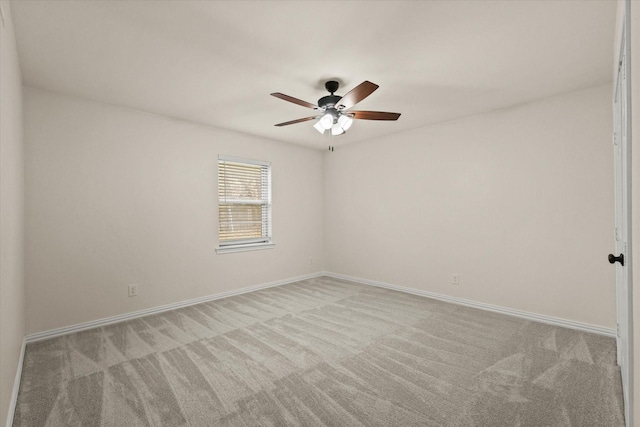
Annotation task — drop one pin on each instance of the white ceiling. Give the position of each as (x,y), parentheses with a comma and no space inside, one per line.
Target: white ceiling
(216,62)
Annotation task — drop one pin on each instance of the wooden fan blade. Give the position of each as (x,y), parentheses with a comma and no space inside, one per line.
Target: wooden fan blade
(372,115)
(357,94)
(294,100)
(292,122)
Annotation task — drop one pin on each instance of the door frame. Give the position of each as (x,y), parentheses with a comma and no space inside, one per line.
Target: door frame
(623,68)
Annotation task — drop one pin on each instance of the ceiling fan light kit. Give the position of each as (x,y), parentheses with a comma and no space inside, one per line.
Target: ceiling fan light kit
(335,120)
(334,110)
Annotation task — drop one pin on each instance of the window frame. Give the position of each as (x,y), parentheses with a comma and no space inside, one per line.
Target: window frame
(246,244)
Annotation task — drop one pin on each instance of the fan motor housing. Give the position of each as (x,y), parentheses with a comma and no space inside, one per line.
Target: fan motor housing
(329,101)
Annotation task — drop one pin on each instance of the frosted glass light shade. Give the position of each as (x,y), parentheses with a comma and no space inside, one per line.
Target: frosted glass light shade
(319,126)
(326,121)
(345,122)
(337,129)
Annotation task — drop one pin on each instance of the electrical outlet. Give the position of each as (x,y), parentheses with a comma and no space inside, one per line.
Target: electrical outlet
(133,290)
(455,279)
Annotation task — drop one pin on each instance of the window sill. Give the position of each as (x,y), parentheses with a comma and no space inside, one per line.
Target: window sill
(244,248)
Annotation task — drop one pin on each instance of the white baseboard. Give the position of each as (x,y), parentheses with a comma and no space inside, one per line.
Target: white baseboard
(16,387)
(585,327)
(39,336)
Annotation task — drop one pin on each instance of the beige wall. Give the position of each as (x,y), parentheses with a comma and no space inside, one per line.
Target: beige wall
(116,196)
(12,298)
(518,202)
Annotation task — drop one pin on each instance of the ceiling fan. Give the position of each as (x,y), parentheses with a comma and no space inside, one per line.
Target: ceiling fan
(333,111)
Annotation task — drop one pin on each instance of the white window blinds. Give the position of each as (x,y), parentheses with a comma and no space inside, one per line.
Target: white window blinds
(244,201)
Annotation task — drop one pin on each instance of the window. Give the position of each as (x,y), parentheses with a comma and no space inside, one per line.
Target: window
(244,204)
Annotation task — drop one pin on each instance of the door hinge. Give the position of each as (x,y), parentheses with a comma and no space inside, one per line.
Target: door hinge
(616,234)
(618,330)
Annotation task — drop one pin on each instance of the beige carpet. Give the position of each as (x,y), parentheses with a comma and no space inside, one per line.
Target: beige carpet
(322,352)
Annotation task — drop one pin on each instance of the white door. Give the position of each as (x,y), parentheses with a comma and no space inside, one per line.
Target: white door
(621,257)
